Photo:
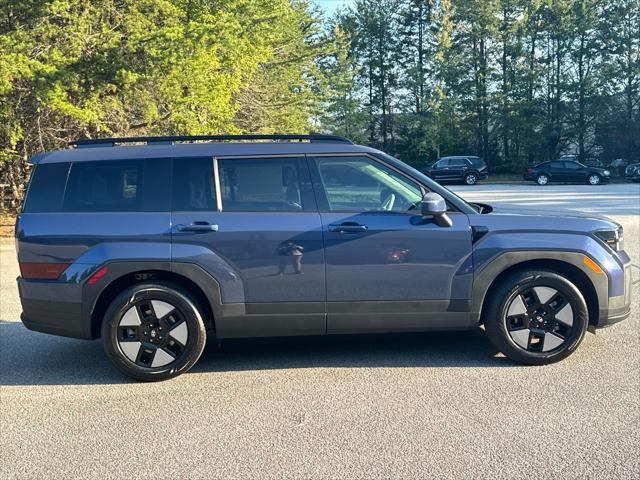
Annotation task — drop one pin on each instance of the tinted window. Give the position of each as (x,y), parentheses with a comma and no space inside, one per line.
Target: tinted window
(555,165)
(458,162)
(265,184)
(359,184)
(572,165)
(476,162)
(104,186)
(46,188)
(193,184)
(443,163)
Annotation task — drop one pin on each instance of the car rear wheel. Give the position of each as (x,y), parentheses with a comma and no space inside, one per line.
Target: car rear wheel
(153,331)
(470,179)
(536,317)
(542,179)
(594,179)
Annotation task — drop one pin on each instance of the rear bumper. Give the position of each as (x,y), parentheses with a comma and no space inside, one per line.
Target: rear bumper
(54,308)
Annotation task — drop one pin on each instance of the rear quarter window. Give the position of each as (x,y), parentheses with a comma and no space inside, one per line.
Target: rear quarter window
(104,186)
(46,188)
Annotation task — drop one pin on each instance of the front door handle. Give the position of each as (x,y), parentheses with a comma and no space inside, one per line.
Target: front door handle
(348,227)
(198,227)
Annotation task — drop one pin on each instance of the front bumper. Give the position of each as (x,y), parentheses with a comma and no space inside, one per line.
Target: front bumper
(619,307)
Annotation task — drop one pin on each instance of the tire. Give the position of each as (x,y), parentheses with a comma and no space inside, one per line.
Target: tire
(471,179)
(531,335)
(542,179)
(153,331)
(594,179)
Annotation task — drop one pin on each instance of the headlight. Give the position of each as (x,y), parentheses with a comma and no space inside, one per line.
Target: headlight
(613,238)
(606,173)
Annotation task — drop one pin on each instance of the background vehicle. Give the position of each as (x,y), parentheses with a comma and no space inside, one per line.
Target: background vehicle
(557,171)
(632,172)
(156,247)
(618,166)
(467,169)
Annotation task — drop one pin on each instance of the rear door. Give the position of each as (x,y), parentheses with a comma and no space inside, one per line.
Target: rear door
(457,167)
(557,172)
(252,222)
(387,268)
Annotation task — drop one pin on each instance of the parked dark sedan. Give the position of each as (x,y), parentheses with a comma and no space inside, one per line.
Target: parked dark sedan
(566,172)
(467,169)
(632,172)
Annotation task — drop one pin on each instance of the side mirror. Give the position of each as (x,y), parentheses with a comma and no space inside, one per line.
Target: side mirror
(433,205)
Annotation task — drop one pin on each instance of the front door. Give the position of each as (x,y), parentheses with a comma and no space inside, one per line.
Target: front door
(258,233)
(388,269)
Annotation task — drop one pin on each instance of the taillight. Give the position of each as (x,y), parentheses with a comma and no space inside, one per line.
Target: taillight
(97,276)
(42,271)
(530,170)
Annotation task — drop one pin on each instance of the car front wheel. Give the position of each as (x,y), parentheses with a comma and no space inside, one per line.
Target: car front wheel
(542,179)
(536,317)
(594,179)
(153,331)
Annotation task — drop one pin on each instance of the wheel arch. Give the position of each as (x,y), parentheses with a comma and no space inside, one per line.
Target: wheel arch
(592,293)
(204,288)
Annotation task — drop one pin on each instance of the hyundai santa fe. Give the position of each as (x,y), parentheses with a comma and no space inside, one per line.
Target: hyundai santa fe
(155,244)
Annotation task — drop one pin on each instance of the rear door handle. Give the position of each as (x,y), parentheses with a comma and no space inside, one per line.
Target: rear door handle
(348,227)
(198,227)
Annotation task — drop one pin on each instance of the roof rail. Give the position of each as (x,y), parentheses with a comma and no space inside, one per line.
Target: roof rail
(169,140)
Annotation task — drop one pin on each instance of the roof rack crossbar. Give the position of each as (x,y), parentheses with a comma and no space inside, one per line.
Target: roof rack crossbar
(312,137)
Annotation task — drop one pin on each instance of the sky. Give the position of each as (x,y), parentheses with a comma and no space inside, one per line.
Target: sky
(330,6)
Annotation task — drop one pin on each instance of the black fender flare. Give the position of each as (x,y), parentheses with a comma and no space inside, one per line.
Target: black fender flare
(506,260)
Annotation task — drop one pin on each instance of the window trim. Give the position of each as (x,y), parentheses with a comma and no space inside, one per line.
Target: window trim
(321,196)
(309,202)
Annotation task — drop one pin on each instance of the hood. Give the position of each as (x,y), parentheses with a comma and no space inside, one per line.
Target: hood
(505,218)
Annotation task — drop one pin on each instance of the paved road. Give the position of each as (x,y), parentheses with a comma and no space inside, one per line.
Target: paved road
(610,200)
(400,406)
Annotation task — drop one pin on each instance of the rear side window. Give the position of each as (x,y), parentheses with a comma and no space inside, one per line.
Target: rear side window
(193,184)
(556,165)
(104,186)
(260,184)
(46,188)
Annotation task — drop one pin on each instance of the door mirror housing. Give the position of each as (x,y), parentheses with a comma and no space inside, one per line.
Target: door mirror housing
(433,205)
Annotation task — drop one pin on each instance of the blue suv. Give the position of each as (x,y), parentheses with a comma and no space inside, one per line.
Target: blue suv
(156,244)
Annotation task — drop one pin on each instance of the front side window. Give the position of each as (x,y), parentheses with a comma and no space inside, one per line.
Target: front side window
(260,184)
(442,163)
(104,186)
(556,164)
(360,184)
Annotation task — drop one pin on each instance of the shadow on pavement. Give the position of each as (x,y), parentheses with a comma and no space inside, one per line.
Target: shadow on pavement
(30,358)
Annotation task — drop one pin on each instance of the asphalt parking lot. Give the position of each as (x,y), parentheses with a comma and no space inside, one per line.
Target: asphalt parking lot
(396,406)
